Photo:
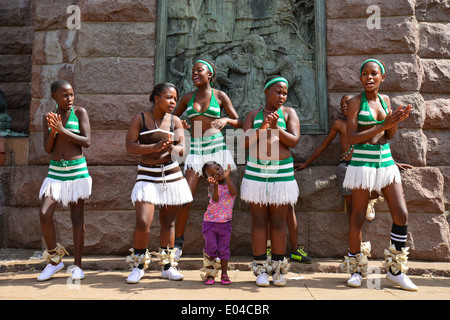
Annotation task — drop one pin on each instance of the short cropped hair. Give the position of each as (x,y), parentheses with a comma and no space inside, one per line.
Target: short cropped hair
(58,84)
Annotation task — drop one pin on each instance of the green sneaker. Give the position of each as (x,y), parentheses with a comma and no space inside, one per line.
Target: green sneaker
(269,249)
(300,256)
(269,252)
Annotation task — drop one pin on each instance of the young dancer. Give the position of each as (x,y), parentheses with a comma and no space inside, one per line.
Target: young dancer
(203,107)
(339,127)
(269,184)
(66,131)
(156,135)
(370,124)
(217,222)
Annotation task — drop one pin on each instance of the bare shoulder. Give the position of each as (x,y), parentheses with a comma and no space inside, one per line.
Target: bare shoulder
(339,125)
(288,111)
(177,121)
(355,100)
(385,98)
(252,113)
(220,96)
(185,99)
(80,111)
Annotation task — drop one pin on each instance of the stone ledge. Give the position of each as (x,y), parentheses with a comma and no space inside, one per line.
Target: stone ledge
(323,234)
(14,260)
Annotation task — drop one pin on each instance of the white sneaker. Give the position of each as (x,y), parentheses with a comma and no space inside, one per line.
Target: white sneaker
(177,254)
(279,280)
(402,280)
(172,274)
(77,273)
(262,280)
(135,275)
(49,271)
(355,280)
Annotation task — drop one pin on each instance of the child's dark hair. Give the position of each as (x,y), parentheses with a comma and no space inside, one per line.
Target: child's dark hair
(58,84)
(206,165)
(159,88)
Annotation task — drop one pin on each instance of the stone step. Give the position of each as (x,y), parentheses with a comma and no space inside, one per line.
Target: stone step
(15,260)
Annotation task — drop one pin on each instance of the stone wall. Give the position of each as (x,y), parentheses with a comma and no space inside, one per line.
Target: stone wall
(15,60)
(110,62)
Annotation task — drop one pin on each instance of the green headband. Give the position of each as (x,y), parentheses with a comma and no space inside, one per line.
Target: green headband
(275,80)
(207,64)
(377,62)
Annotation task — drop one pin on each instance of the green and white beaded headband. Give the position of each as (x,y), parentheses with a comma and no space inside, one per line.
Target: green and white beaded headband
(275,80)
(377,62)
(207,64)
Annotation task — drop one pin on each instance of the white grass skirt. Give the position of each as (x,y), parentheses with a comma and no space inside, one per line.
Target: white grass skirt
(66,191)
(173,194)
(269,193)
(371,168)
(161,184)
(372,179)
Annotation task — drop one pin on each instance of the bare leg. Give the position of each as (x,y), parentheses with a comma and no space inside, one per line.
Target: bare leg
(291,221)
(360,199)
(183,213)
(277,218)
(46,213)
(348,204)
(260,218)
(144,218)
(395,199)
(167,215)
(224,264)
(77,217)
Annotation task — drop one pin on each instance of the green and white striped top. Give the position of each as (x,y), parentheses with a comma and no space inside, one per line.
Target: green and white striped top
(73,125)
(213,110)
(259,119)
(365,117)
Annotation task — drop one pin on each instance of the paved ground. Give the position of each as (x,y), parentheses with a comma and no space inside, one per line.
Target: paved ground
(105,280)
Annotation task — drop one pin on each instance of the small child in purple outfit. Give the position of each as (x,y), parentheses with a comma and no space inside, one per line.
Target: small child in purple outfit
(217,222)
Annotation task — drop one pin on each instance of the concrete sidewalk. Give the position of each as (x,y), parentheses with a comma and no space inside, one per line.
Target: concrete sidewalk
(106,275)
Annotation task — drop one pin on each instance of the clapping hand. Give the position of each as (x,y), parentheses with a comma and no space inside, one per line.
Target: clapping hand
(226,173)
(213,181)
(400,114)
(185,124)
(167,144)
(272,119)
(54,122)
(219,123)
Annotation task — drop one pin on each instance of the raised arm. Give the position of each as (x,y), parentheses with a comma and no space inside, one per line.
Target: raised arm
(389,126)
(49,135)
(321,148)
(182,105)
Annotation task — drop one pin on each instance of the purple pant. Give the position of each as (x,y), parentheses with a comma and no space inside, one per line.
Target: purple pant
(217,239)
